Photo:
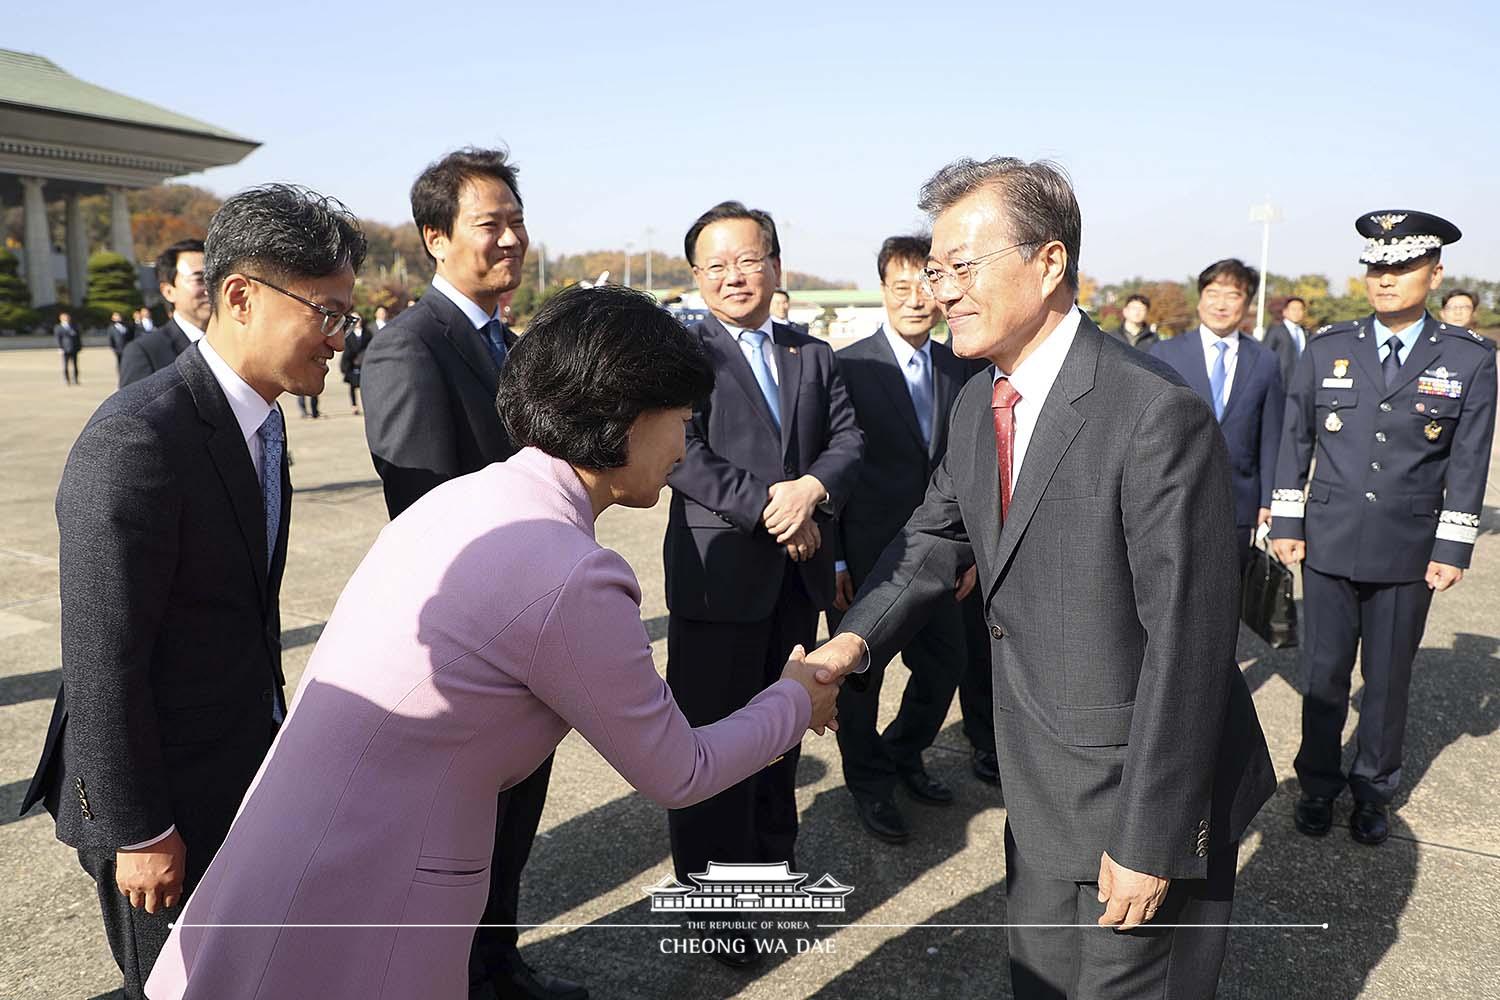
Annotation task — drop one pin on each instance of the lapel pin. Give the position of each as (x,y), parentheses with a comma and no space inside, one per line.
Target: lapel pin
(1341,368)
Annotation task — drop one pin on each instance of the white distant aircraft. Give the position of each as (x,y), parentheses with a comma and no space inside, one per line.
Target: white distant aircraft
(603,279)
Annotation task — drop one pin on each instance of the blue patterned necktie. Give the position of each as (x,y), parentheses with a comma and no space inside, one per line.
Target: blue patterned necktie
(494,341)
(757,341)
(921,393)
(1217,378)
(272,445)
(1391,366)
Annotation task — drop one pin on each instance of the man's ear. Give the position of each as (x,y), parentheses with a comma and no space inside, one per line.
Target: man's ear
(435,241)
(235,300)
(1437,276)
(1054,266)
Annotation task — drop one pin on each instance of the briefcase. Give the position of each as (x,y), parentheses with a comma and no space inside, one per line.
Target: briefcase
(1266,602)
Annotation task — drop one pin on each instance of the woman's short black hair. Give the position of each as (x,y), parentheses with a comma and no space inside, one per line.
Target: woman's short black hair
(592,360)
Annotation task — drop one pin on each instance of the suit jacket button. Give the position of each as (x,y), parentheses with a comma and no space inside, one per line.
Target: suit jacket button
(996,632)
(1202,851)
(1385,407)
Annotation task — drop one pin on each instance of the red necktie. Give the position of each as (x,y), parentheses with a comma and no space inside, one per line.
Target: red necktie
(1003,403)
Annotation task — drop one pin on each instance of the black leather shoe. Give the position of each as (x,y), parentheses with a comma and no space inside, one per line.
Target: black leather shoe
(521,982)
(986,766)
(925,788)
(883,819)
(735,949)
(1313,815)
(1368,825)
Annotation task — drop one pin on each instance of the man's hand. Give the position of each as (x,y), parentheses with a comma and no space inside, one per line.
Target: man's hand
(805,542)
(843,590)
(1289,550)
(1441,576)
(1132,897)
(965,585)
(824,696)
(838,657)
(1264,517)
(791,506)
(152,877)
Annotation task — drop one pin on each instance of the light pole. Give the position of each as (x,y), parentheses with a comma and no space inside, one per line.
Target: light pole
(541,268)
(1265,214)
(629,244)
(649,286)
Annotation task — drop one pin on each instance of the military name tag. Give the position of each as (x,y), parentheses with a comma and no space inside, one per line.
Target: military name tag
(1333,424)
(1432,430)
(1338,383)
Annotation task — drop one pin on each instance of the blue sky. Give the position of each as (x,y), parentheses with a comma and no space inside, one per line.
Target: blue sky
(1172,118)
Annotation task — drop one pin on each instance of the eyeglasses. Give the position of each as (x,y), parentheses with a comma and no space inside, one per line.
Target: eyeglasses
(963,272)
(744,265)
(904,290)
(334,323)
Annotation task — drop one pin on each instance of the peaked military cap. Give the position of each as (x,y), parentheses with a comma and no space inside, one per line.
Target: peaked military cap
(1398,235)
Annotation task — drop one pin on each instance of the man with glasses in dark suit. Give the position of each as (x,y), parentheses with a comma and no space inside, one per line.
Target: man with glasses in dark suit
(429,383)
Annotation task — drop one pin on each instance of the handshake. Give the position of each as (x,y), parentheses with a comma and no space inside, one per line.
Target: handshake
(821,672)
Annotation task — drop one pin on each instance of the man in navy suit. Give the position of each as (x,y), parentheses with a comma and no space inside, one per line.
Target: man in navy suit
(1288,337)
(772,455)
(1241,380)
(903,384)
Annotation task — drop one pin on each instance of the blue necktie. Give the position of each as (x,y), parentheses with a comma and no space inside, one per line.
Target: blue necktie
(494,341)
(270,478)
(921,393)
(1217,378)
(1391,366)
(756,340)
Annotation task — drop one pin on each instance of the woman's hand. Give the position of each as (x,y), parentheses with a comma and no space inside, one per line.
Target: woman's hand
(824,696)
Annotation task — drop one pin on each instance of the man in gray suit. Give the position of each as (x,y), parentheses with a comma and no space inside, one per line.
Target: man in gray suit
(173,514)
(1091,488)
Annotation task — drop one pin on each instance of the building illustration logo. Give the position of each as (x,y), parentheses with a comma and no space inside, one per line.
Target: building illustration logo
(751,887)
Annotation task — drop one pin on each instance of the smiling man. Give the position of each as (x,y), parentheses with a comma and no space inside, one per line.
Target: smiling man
(1399,411)
(429,382)
(179,280)
(1091,489)
(172,515)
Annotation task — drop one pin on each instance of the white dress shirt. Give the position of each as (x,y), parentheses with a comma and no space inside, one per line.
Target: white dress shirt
(471,309)
(250,411)
(193,333)
(1211,357)
(767,347)
(1033,379)
(1299,336)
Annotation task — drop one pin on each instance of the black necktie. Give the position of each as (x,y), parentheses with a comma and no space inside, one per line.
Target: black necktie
(1391,366)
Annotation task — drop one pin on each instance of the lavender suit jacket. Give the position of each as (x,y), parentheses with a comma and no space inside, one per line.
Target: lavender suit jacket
(483,625)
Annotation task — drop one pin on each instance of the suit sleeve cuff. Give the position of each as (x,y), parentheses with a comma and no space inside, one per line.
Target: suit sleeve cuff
(154,840)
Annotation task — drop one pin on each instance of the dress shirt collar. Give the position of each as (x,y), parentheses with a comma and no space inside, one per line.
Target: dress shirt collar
(193,333)
(904,351)
(470,308)
(1408,336)
(1033,378)
(1210,338)
(250,409)
(738,332)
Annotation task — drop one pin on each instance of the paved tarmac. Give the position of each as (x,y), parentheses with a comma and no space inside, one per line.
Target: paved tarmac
(1417,918)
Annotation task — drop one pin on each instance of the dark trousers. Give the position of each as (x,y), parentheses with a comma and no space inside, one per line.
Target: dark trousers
(70,359)
(976,697)
(1384,623)
(518,813)
(1086,962)
(936,657)
(135,937)
(714,669)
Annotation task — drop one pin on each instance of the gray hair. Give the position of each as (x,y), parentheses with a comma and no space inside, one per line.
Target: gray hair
(1038,197)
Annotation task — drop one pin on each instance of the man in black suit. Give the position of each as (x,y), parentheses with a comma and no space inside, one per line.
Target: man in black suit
(120,333)
(902,384)
(179,278)
(781,310)
(1241,380)
(1092,489)
(429,383)
(69,342)
(1288,338)
(1134,330)
(172,515)
(771,456)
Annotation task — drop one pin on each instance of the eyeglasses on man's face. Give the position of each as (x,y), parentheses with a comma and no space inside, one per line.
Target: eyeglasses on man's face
(904,290)
(962,273)
(334,323)
(745,264)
